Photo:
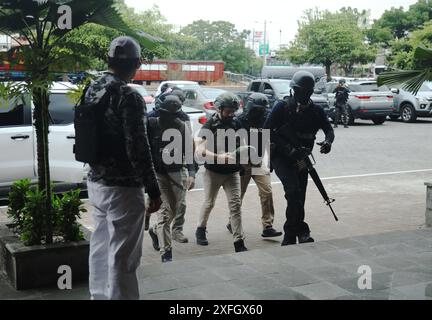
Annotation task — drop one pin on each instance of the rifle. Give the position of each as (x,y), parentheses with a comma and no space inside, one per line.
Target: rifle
(286,133)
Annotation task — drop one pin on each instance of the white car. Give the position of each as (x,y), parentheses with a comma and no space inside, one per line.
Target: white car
(184,85)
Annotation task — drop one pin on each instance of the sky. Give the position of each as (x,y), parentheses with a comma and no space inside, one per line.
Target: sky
(281,15)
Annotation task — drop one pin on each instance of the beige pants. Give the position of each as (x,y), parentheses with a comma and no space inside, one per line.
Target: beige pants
(231,185)
(265,192)
(173,202)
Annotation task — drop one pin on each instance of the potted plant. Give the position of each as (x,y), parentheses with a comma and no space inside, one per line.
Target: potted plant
(40,218)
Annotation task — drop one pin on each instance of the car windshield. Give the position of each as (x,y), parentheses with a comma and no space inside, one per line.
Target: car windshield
(212,93)
(427,86)
(142,91)
(367,87)
(185,86)
(282,86)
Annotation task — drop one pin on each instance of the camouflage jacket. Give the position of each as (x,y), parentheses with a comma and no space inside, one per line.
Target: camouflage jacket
(125,117)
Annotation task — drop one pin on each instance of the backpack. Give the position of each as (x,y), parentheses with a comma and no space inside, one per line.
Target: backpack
(88,123)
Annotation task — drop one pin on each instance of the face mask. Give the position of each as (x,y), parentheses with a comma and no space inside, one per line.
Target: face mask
(302,96)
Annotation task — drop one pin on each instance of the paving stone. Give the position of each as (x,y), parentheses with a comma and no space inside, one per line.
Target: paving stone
(280,294)
(306,261)
(339,256)
(394,262)
(271,267)
(294,278)
(421,258)
(321,291)
(329,272)
(234,272)
(420,291)
(353,268)
(380,281)
(344,244)
(404,278)
(197,278)
(317,247)
(159,284)
(375,295)
(286,252)
(258,284)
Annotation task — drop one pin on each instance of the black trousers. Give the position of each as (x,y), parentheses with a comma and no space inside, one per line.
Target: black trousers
(341,114)
(295,184)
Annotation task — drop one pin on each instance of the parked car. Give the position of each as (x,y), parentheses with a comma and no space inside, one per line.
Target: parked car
(410,107)
(184,85)
(277,89)
(148,98)
(18,137)
(366,101)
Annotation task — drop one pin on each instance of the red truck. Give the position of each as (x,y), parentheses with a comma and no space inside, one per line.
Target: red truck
(191,70)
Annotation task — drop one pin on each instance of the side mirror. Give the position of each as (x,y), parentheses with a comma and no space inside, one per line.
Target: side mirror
(269,92)
(395,91)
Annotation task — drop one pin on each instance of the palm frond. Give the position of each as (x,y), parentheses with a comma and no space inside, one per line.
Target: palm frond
(411,80)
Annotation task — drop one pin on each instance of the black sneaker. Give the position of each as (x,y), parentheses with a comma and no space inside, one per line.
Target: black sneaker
(229,228)
(239,246)
(201,236)
(155,239)
(305,238)
(270,233)
(287,241)
(167,256)
(147,223)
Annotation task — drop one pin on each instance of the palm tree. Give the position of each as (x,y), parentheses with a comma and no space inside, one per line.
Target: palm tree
(38,22)
(411,80)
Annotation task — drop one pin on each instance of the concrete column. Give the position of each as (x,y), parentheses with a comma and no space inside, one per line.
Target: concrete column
(428,204)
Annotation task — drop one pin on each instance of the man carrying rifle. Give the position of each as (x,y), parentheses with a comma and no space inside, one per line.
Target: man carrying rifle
(294,123)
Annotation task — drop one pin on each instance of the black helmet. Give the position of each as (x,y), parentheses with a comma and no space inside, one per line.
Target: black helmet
(303,80)
(171,104)
(342,81)
(179,93)
(227,100)
(257,100)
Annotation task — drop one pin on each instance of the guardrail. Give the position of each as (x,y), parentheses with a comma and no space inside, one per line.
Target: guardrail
(239,78)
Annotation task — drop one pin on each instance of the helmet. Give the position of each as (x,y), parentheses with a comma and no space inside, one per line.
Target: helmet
(171,104)
(124,48)
(257,100)
(179,93)
(227,100)
(342,81)
(303,80)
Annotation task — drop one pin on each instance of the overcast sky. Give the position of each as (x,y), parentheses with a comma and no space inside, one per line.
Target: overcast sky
(250,14)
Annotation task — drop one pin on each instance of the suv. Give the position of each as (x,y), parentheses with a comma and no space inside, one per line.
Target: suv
(366,101)
(18,139)
(409,107)
(277,89)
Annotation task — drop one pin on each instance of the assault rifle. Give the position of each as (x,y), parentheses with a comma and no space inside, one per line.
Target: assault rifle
(289,136)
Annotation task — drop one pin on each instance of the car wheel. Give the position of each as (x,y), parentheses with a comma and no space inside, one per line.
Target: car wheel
(408,113)
(394,118)
(379,121)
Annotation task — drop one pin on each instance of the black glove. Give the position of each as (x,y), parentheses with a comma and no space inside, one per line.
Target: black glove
(325,147)
(300,154)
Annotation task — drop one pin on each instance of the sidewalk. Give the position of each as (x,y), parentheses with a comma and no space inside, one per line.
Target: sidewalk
(381,225)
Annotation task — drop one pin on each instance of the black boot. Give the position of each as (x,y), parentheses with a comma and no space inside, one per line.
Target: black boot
(269,232)
(167,256)
(155,239)
(201,237)
(305,238)
(289,240)
(239,246)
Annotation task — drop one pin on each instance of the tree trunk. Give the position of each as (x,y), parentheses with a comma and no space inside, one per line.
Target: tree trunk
(328,70)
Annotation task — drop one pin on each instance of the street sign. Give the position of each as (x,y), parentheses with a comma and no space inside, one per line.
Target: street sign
(261,49)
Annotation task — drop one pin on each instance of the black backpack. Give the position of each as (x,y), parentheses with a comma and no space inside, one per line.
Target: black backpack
(88,124)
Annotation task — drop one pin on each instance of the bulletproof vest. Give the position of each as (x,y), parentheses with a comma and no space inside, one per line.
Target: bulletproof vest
(305,124)
(157,126)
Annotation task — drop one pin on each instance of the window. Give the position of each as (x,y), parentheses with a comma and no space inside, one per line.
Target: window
(61,109)
(154,67)
(255,86)
(199,68)
(15,113)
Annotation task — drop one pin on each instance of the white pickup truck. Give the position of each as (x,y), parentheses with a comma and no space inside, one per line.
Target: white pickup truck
(18,139)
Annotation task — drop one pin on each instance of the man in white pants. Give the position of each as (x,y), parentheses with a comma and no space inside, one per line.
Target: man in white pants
(116,182)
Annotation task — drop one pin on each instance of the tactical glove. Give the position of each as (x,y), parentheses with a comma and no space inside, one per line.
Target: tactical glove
(325,147)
